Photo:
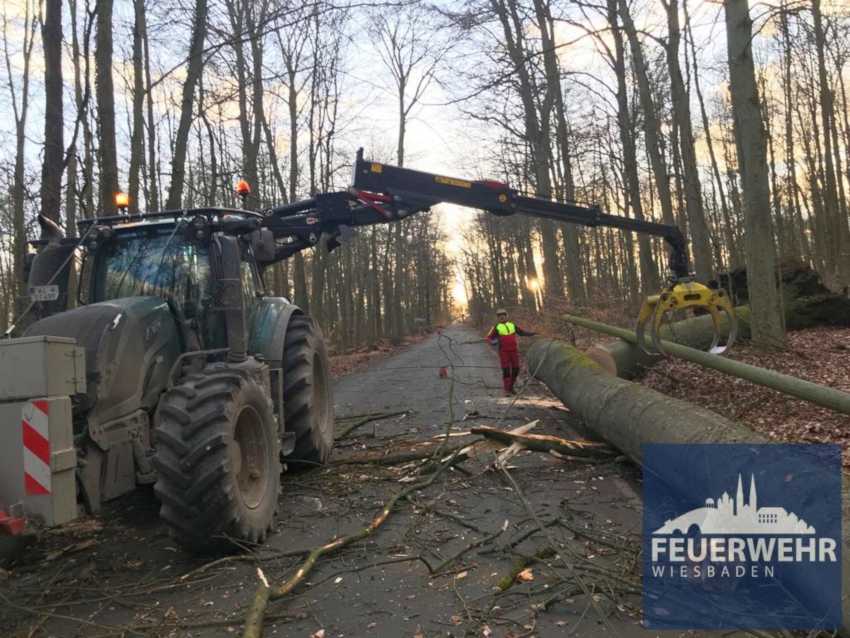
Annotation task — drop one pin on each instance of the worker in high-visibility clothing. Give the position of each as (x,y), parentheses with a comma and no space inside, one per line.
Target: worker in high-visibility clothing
(504,334)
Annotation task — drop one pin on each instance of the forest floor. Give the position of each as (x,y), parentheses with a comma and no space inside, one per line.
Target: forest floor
(820,355)
(468,555)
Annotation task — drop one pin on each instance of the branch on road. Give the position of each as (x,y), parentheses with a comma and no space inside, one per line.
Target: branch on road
(547,443)
(265,593)
(369,418)
(382,458)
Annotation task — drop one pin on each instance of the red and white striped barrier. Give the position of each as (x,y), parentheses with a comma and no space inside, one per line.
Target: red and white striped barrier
(34,424)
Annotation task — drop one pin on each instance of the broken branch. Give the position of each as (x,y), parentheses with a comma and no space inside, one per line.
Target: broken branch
(369,418)
(545,442)
(261,597)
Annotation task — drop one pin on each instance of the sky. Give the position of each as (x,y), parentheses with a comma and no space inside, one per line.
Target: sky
(439,138)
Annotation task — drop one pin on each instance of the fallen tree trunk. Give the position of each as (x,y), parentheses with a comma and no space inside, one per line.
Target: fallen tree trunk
(628,415)
(818,394)
(623,413)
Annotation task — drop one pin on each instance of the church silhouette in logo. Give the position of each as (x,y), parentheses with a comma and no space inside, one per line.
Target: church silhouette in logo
(726,516)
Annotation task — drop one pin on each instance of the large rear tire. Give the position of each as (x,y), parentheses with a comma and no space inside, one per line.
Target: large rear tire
(307,401)
(218,458)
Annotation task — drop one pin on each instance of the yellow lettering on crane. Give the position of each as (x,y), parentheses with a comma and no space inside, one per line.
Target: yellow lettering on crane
(377,168)
(451,181)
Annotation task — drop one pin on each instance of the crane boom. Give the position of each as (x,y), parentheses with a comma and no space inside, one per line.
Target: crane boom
(382,193)
(428,189)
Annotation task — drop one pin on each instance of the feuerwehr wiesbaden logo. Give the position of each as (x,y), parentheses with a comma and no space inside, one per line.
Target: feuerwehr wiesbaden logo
(742,536)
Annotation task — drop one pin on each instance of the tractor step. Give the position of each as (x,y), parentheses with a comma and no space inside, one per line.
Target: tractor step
(287,443)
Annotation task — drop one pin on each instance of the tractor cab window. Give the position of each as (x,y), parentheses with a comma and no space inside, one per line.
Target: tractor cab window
(154,264)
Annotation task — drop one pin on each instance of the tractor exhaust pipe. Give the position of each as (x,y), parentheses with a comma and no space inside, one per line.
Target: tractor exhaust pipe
(229,298)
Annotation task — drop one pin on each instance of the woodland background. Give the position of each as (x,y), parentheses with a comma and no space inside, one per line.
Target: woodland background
(629,105)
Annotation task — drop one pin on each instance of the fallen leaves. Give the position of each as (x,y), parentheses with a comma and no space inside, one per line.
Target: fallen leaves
(818,355)
(525,576)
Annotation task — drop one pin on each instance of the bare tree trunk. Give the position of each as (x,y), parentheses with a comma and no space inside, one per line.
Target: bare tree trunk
(51,171)
(682,113)
(766,320)
(193,72)
(839,232)
(650,119)
(137,141)
(791,184)
(153,167)
(105,92)
(706,127)
(242,20)
(776,197)
(648,270)
(536,133)
(299,272)
(575,286)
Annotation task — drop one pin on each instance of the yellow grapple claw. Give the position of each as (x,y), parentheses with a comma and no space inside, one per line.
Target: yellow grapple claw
(655,310)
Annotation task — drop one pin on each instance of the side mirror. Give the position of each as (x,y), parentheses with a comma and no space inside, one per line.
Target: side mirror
(263,245)
(48,278)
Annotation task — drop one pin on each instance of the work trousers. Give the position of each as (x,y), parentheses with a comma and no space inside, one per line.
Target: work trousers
(509,360)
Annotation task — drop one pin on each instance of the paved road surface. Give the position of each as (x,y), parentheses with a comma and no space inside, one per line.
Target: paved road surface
(122,569)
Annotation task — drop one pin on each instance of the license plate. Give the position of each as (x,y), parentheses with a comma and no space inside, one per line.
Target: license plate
(44,293)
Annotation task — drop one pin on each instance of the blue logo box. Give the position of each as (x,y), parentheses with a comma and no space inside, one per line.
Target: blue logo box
(742,536)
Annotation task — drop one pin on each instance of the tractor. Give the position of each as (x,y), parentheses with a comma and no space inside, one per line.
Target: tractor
(188,361)
(200,382)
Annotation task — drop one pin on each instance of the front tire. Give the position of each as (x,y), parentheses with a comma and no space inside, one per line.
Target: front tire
(307,402)
(218,458)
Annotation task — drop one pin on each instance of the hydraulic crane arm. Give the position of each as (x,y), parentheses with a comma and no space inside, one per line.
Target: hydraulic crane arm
(381,193)
(427,189)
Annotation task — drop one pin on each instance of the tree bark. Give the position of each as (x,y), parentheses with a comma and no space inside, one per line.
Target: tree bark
(536,134)
(650,118)
(824,396)
(105,93)
(52,166)
(193,72)
(767,318)
(153,166)
(623,413)
(648,269)
(575,285)
(682,113)
(137,140)
(837,222)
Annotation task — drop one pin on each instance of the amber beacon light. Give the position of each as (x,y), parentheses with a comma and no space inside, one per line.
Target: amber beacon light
(122,200)
(243,188)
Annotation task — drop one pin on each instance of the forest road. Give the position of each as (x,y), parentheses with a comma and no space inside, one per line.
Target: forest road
(122,571)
